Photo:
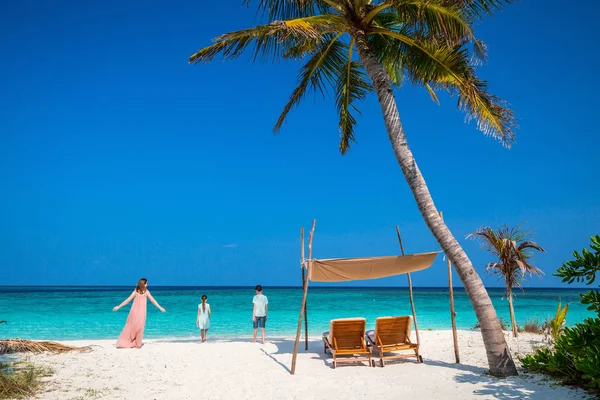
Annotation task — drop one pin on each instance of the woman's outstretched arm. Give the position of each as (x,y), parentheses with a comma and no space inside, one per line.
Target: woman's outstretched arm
(125,302)
(154,302)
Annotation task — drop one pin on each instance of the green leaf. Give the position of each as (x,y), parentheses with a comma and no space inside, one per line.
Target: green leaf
(352,87)
(289,9)
(319,72)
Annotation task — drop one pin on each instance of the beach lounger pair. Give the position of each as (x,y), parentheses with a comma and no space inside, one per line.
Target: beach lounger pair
(347,337)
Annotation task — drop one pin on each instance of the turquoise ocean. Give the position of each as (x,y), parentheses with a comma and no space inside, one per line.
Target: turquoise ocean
(85,313)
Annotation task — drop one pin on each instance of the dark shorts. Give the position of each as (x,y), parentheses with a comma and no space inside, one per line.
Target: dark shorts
(260,322)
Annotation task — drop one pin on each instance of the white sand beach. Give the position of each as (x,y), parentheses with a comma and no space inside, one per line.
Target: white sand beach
(238,369)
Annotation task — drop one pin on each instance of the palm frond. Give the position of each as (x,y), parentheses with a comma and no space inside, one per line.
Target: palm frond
(434,18)
(429,41)
(488,239)
(530,245)
(376,10)
(449,68)
(390,53)
(352,86)
(445,21)
(477,9)
(431,92)
(288,9)
(319,71)
(11,346)
(306,47)
(492,114)
(270,40)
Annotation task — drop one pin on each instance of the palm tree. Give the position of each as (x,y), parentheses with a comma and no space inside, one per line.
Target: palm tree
(513,249)
(431,42)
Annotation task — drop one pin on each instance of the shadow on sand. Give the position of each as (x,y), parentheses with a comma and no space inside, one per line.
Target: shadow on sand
(520,387)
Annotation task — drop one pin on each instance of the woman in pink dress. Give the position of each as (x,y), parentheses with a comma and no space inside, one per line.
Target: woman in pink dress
(136,321)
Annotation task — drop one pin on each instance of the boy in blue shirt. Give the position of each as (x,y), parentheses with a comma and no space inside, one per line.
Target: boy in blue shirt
(259,312)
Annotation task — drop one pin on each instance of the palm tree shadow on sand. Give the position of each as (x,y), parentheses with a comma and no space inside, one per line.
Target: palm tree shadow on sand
(523,386)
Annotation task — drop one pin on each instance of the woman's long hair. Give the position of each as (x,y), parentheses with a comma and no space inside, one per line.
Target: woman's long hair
(141,286)
(204,298)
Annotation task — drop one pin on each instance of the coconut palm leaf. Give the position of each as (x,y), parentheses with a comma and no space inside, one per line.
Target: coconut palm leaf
(388,51)
(289,9)
(406,39)
(449,68)
(436,18)
(270,40)
(476,9)
(11,346)
(352,86)
(319,71)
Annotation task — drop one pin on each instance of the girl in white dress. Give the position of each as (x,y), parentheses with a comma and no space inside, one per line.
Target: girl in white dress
(203,318)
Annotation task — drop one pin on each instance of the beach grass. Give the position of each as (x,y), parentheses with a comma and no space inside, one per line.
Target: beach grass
(21,379)
(533,325)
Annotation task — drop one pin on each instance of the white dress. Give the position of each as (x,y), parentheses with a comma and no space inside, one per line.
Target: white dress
(204,316)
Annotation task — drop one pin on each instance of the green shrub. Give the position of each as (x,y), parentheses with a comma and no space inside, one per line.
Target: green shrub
(584,268)
(575,356)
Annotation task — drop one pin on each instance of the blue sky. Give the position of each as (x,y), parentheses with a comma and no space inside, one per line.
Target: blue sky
(120,160)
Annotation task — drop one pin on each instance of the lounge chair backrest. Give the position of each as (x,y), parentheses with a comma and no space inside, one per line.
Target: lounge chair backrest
(392,330)
(348,333)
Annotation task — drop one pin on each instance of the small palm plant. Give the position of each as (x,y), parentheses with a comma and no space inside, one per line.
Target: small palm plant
(557,323)
(513,249)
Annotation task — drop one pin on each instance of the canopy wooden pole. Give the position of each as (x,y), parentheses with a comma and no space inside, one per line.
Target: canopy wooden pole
(294,356)
(410,292)
(303,283)
(452,312)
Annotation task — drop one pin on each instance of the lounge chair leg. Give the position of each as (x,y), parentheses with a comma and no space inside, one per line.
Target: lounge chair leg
(419,358)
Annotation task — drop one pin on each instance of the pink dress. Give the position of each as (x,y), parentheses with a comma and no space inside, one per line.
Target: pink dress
(134,327)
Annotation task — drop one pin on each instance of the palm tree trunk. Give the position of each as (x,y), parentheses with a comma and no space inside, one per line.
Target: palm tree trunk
(513,320)
(499,358)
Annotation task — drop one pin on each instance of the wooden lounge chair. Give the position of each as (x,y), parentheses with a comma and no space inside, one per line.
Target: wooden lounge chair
(392,334)
(346,337)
